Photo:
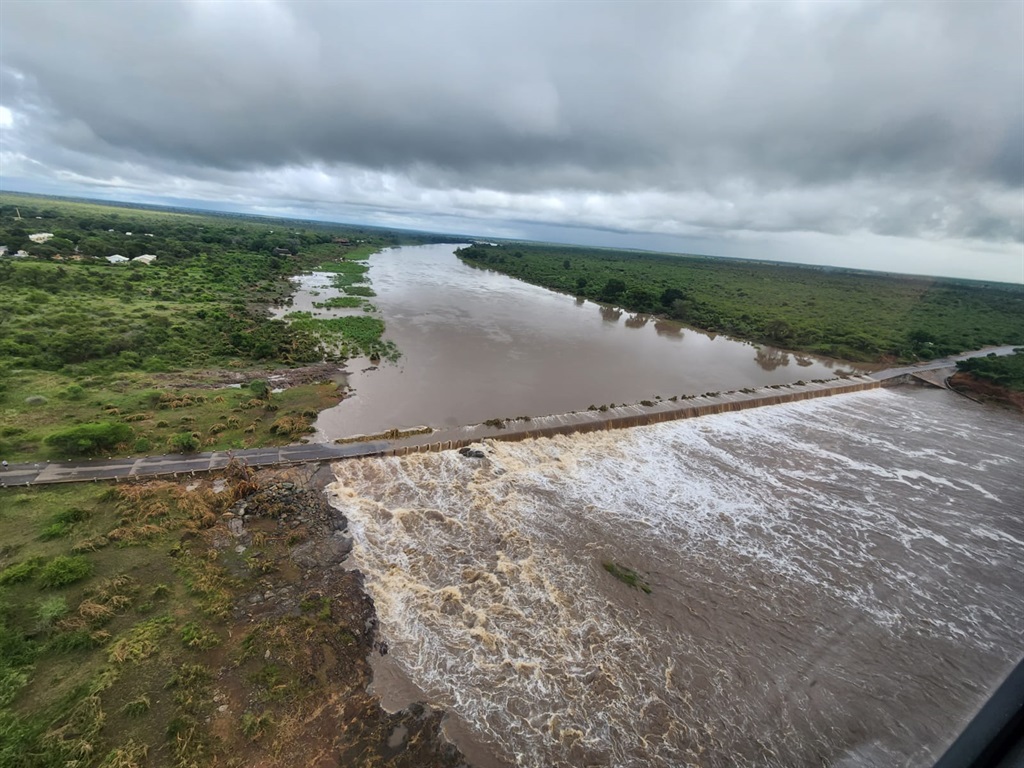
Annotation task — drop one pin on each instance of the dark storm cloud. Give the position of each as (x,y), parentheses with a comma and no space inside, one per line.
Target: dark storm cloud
(906,118)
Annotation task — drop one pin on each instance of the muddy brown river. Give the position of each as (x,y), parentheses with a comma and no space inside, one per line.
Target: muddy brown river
(479,345)
(834,582)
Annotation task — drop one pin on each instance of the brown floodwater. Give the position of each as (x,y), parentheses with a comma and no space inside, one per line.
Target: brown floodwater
(479,345)
(833,582)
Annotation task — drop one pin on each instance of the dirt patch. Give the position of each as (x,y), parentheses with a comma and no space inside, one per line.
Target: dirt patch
(985,391)
(276,377)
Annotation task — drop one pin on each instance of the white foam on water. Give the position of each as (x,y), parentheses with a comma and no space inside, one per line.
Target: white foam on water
(814,560)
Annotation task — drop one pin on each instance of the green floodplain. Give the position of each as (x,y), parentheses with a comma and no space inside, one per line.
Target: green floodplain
(127,629)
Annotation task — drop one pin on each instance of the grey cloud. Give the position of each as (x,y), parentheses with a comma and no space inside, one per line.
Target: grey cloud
(672,90)
(904,119)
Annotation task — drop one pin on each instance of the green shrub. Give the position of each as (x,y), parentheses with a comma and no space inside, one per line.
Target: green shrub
(88,439)
(51,609)
(142,445)
(73,392)
(19,572)
(64,570)
(76,640)
(71,515)
(55,531)
(254,726)
(184,442)
(137,707)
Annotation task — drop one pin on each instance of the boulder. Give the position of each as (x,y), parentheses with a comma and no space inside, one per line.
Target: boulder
(322,552)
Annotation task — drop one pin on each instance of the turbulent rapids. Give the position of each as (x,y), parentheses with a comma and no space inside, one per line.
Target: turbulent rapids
(834,582)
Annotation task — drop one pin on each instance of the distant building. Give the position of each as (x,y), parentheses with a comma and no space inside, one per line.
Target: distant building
(40,237)
(146,258)
(21,255)
(117,258)
(3,250)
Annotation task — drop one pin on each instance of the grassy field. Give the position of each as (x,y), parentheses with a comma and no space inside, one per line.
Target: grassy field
(39,404)
(84,341)
(849,315)
(138,629)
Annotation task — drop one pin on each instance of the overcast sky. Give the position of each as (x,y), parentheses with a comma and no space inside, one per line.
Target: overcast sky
(877,135)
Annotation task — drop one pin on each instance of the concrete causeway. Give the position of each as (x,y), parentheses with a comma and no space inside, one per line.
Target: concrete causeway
(176,465)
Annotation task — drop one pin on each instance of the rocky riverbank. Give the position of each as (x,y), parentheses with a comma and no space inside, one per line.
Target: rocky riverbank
(304,610)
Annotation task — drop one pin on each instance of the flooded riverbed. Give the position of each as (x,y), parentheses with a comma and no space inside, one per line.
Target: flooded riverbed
(833,583)
(478,345)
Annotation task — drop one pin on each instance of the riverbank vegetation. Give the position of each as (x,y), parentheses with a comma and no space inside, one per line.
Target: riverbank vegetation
(162,624)
(846,314)
(993,379)
(86,341)
(1005,371)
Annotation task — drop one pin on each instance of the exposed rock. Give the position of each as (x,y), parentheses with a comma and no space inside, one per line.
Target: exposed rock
(321,553)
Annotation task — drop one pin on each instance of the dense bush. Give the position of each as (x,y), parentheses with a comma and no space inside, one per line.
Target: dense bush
(64,570)
(1006,371)
(87,439)
(184,442)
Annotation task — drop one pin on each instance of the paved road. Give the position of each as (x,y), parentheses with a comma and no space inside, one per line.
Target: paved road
(944,362)
(183,464)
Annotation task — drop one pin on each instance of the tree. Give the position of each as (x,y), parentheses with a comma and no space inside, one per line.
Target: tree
(671,295)
(640,300)
(612,290)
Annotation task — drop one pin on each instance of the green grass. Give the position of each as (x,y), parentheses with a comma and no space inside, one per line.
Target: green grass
(84,343)
(339,302)
(80,672)
(352,336)
(222,418)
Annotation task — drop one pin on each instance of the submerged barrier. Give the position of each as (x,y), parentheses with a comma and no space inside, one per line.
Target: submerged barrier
(636,415)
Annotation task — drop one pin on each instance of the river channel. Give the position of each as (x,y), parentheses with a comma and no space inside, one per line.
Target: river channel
(833,582)
(479,345)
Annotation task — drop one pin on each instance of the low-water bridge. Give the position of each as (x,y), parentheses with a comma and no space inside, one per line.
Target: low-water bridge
(176,465)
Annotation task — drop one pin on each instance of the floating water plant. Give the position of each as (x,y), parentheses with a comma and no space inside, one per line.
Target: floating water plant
(627,576)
